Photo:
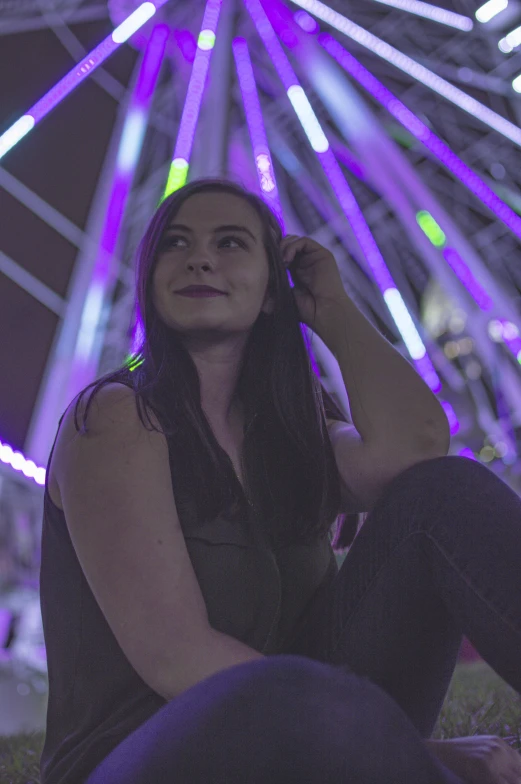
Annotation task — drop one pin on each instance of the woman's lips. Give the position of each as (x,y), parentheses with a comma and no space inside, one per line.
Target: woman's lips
(201,293)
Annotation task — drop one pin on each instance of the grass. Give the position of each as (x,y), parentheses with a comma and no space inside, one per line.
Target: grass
(478,702)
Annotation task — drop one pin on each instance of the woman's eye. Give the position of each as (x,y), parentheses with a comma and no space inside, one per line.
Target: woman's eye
(233,239)
(169,242)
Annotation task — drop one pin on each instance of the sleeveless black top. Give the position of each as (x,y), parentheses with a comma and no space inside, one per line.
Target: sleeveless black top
(96,698)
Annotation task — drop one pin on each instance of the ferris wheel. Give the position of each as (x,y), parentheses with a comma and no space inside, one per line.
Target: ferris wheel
(389,130)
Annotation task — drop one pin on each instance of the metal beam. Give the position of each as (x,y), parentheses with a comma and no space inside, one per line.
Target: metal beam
(19,275)
(42,209)
(405,191)
(46,212)
(58,24)
(56,391)
(26,25)
(211,136)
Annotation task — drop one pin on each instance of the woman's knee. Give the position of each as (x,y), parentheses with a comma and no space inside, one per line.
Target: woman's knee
(271,677)
(287,718)
(288,688)
(447,467)
(438,478)
(317,715)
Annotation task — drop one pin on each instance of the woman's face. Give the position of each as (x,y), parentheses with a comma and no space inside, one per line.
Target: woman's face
(198,249)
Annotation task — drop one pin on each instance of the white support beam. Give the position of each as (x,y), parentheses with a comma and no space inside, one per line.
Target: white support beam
(211,136)
(42,209)
(59,25)
(56,388)
(31,284)
(28,24)
(49,214)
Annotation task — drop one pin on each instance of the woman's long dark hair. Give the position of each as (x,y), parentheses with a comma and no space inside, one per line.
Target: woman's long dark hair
(292,481)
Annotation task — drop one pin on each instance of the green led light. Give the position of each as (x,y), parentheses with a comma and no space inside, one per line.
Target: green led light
(431,229)
(176,176)
(400,135)
(133,361)
(206,40)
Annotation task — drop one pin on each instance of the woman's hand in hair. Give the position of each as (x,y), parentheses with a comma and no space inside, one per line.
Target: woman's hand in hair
(315,274)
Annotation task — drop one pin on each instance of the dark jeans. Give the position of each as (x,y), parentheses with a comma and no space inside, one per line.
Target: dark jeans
(366,675)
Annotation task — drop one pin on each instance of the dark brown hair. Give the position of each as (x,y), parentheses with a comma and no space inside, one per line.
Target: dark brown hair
(292,480)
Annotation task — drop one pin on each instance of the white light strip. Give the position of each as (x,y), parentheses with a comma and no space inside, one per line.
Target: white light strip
(490,10)
(510,41)
(20,463)
(308,118)
(432,12)
(133,22)
(414,69)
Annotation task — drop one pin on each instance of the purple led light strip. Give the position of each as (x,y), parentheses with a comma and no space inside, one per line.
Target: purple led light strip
(445,155)
(132,136)
(342,190)
(130,148)
(282,22)
(326,158)
(255,122)
(261,150)
(432,12)
(76,75)
(418,129)
(194,94)
(414,69)
(464,274)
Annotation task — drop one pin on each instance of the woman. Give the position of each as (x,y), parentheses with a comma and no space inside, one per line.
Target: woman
(196,624)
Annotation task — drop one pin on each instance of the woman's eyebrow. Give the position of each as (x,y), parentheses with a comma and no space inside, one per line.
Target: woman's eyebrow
(181,227)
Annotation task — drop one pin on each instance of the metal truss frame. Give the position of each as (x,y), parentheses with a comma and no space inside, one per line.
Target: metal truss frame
(485,70)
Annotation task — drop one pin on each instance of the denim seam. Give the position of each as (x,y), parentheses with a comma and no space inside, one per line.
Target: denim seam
(386,564)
